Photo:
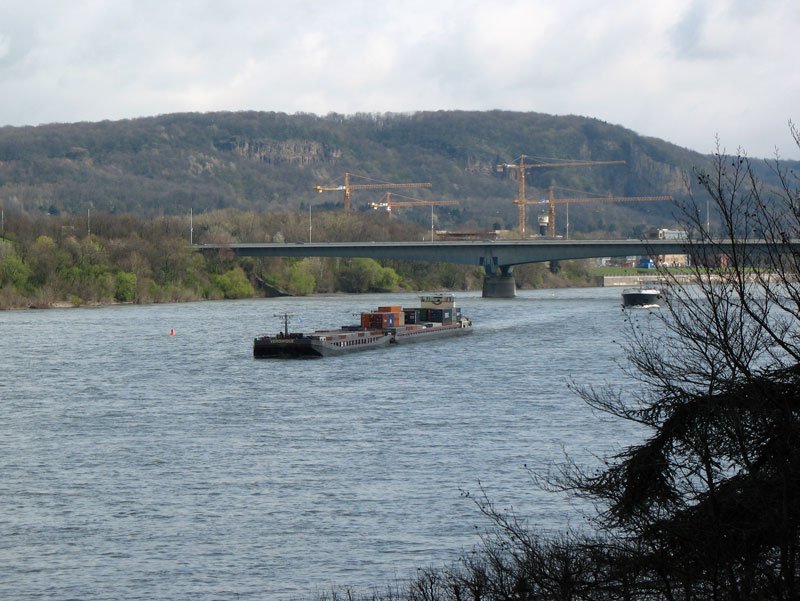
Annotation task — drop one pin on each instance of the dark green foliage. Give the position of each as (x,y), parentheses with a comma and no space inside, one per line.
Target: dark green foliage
(125,291)
(234,284)
(366,275)
(167,165)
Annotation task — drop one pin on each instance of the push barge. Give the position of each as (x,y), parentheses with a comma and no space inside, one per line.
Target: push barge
(645,298)
(436,317)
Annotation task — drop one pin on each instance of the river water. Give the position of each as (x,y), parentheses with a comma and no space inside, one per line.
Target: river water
(136,464)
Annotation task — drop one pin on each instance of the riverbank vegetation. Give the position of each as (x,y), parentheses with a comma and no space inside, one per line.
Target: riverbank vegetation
(56,260)
(707,505)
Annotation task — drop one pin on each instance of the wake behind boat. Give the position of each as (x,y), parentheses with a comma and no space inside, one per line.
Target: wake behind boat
(436,317)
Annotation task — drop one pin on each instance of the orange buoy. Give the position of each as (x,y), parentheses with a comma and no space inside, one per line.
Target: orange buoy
(172,331)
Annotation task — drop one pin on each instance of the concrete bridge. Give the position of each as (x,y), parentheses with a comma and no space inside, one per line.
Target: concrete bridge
(497,257)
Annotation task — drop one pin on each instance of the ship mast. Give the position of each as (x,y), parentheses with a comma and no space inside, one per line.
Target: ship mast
(285,317)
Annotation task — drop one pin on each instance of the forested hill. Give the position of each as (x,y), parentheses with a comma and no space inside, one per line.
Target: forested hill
(268,161)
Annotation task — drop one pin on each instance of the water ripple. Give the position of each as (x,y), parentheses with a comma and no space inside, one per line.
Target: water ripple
(140,465)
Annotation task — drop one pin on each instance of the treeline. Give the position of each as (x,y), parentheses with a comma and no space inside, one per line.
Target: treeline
(103,258)
(167,165)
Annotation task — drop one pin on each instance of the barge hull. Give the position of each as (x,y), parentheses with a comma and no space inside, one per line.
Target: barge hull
(269,347)
(389,325)
(424,334)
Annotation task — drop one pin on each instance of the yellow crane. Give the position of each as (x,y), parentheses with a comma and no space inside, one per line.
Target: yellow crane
(387,203)
(522,166)
(550,221)
(347,187)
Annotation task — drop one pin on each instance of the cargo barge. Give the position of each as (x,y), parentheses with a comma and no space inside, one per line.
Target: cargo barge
(436,317)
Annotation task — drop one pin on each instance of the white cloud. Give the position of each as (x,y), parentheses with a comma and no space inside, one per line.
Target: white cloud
(681,70)
(5,46)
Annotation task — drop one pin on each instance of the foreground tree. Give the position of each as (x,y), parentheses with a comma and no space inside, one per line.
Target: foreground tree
(708,505)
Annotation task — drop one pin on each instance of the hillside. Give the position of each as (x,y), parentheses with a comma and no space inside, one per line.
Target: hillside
(262,162)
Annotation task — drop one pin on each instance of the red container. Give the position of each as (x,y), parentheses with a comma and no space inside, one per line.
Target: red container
(381,320)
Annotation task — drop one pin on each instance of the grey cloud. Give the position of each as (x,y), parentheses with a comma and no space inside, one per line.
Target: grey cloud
(687,35)
(616,61)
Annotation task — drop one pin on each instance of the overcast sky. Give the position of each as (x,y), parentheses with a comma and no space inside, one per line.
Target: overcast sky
(681,70)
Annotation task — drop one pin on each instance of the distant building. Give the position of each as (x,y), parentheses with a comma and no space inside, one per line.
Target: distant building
(626,262)
(667,234)
(673,260)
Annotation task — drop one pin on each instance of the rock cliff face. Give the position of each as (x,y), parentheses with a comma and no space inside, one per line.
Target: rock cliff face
(270,161)
(477,165)
(669,178)
(286,152)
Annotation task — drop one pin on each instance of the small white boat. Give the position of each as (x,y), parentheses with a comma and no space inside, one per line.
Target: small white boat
(646,298)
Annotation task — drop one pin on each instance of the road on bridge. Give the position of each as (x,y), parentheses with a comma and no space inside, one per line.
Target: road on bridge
(486,253)
(497,257)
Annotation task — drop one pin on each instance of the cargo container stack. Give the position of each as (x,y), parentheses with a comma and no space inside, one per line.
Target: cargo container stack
(411,316)
(438,308)
(397,313)
(440,315)
(378,320)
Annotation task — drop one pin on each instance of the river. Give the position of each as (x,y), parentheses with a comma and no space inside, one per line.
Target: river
(144,454)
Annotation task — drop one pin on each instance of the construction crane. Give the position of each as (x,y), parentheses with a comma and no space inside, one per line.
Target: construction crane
(347,187)
(522,166)
(387,203)
(550,219)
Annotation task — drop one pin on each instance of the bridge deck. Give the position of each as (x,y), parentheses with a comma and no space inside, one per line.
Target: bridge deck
(489,254)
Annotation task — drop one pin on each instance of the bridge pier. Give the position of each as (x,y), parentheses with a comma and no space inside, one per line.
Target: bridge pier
(499,285)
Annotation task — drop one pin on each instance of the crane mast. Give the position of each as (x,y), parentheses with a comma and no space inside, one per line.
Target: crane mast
(522,166)
(347,188)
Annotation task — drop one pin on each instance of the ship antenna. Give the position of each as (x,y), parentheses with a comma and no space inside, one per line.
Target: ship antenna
(285,317)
